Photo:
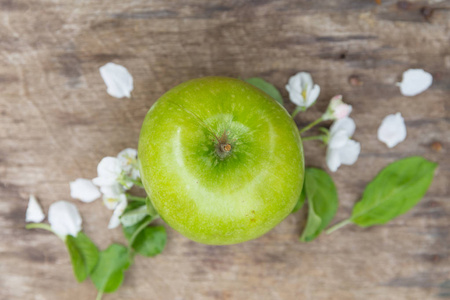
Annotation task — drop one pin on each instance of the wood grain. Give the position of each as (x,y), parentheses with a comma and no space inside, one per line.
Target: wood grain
(57,122)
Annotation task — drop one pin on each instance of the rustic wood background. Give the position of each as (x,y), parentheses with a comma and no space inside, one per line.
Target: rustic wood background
(57,122)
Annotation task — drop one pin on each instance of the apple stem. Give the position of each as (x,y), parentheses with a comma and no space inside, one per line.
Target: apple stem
(225,147)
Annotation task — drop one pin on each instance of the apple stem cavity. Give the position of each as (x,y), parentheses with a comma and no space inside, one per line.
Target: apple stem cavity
(223,147)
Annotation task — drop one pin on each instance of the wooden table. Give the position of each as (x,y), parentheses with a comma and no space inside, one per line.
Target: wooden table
(57,122)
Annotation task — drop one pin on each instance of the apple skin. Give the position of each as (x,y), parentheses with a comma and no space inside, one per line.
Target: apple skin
(205,196)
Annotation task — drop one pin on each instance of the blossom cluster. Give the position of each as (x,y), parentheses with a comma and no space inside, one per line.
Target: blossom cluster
(116,175)
(303,92)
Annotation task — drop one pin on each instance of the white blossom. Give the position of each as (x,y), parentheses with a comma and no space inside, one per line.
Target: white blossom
(337,109)
(34,211)
(113,191)
(392,130)
(84,190)
(341,149)
(64,218)
(109,171)
(302,90)
(129,164)
(118,211)
(414,82)
(111,201)
(118,80)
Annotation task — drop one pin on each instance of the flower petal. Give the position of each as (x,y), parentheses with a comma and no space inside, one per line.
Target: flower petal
(295,83)
(338,139)
(64,218)
(415,81)
(34,211)
(128,161)
(392,130)
(312,95)
(127,156)
(306,80)
(295,89)
(348,154)
(110,202)
(113,191)
(342,111)
(84,190)
(108,170)
(118,211)
(333,160)
(118,80)
(346,124)
(297,99)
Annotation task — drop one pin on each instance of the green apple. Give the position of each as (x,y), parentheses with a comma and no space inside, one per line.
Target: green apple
(221,161)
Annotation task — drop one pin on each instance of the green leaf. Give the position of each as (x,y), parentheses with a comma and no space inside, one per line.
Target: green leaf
(108,274)
(133,216)
(150,241)
(301,200)
(266,87)
(312,224)
(394,191)
(322,200)
(83,254)
(129,230)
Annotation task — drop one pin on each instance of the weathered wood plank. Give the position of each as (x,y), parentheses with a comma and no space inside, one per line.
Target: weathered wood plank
(57,122)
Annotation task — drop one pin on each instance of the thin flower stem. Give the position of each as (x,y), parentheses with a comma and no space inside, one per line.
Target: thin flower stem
(99,295)
(297,110)
(316,137)
(311,125)
(135,198)
(134,181)
(136,233)
(39,226)
(337,226)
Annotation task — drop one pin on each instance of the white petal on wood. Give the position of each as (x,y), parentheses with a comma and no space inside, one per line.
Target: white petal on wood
(415,81)
(84,190)
(64,218)
(392,130)
(34,211)
(118,80)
